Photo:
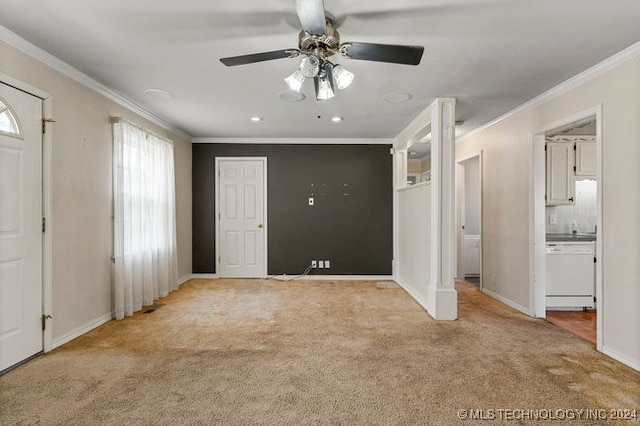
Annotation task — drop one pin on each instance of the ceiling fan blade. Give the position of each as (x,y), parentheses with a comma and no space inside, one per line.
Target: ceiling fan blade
(392,53)
(312,17)
(259,57)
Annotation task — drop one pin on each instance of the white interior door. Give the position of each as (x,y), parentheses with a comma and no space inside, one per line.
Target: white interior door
(241,236)
(20,226)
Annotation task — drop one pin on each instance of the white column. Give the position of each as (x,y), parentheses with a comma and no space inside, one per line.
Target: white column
(399,181)
(442,298)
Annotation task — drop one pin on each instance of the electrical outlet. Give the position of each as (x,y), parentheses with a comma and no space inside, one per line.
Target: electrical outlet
(327,265)
(314,264)
(321,264)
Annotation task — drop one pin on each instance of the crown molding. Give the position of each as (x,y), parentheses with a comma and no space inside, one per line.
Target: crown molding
(295,141)
(25,46)
(608,64)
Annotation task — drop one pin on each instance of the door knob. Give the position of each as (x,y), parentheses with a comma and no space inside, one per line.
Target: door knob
(260,225)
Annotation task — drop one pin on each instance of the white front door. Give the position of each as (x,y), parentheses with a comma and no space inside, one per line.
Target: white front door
(20,226)
(241,236)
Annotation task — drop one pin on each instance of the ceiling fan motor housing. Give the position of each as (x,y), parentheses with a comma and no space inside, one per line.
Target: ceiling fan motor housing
(321,46)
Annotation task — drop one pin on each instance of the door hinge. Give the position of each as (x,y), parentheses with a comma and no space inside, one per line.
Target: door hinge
(44,124)
(392,151)
(45,317)
(595,259)
(574,147)
(574,169)
(44,225)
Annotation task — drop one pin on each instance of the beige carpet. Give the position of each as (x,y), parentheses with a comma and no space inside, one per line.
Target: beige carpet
(245,352)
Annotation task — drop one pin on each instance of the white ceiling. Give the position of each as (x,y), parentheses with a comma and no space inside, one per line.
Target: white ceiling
(491,55)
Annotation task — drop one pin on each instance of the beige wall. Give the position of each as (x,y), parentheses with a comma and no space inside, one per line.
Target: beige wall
(507,153)
(81,222)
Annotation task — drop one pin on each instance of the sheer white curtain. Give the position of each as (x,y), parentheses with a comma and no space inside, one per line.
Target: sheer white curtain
(145,252)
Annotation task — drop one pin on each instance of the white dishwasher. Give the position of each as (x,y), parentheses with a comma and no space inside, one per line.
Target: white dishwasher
(570,273)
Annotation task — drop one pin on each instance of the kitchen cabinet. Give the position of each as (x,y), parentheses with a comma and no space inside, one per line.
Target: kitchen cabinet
(568,161)
(586,159)
(561,186)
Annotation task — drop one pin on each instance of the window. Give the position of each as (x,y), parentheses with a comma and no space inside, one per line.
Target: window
(8,122)
(145,251)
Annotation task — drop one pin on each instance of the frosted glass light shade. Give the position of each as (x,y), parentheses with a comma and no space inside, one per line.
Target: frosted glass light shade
(342,76)
(310,66)
(324,90)
(324,84)
(295,80)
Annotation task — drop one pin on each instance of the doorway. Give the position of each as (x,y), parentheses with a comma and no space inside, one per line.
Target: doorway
(241,217)
(21,226)
(469,213)
(566,279)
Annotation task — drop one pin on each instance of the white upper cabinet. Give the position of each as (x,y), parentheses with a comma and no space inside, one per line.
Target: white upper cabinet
(586,159)
(560,176)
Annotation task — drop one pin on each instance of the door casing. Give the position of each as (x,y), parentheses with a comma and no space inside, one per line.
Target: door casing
(537,224)
(460,213)
(47,202)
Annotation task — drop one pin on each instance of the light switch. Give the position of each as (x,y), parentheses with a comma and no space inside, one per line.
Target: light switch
(310,201)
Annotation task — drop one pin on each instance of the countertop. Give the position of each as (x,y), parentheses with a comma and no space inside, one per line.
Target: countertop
(570,237)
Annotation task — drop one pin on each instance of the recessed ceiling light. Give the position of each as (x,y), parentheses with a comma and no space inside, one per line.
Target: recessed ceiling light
(159,94)
(336,119)
(291,96)
(255,119)
(397,97)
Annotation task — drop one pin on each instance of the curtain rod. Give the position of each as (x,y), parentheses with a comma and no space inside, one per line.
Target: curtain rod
(116,119)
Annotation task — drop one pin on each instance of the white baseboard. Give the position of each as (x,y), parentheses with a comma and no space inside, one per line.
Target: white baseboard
(202,277)
(184,279)
(347,277)
(619,357)
(65,338)
(422,300)
(507,302)
(307,277)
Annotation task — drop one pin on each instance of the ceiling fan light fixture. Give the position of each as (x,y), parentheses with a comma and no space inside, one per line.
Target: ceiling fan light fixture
(295,80)
(342,76)
(310,66)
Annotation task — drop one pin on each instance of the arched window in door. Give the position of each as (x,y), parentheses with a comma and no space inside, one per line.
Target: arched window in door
(8,123)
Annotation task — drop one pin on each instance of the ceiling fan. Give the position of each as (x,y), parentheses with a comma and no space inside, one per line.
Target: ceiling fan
(318,40)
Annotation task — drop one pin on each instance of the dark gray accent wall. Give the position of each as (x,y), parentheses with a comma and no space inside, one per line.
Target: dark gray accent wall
(349,224)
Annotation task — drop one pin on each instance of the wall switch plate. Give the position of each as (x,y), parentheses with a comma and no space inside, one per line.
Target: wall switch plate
(553,219)
(310,201)
(321,264)
(314,264)
(327,264)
